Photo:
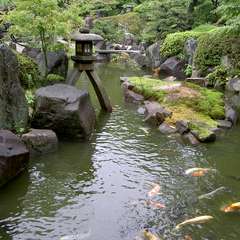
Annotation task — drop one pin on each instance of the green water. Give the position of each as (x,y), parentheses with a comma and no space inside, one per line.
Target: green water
(97,190)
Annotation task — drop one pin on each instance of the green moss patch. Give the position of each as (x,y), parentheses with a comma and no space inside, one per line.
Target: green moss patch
(187,101)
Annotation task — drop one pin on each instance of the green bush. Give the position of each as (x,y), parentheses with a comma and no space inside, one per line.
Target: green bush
(173,44)
(214,45)
(29,73)
(218,77)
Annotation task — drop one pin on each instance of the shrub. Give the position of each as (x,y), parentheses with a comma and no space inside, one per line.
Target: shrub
(54,78)
(28,70)
(218,76)
(214,45)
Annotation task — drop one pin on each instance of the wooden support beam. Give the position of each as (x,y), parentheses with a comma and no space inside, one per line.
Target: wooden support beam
(100,91)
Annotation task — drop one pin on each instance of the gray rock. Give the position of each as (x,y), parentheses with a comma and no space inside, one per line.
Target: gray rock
(190,48)
(182,127)
(141,110)
(155,113)
(129,39)
(173,67)
(224,124)
(57,61)
(88,22)
(189,137)
(40,141)
(167,129)
(153,56)
(132,97)
(140,59)
(233,85)
(65,110)
(13,105)
(127,85)
(231,115)
(14,156)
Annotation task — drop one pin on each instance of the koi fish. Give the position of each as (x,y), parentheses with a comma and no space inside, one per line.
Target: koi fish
(196,220)
(234,207)
(212,194)
(154,191)
(155,204)
(198,172)
(145,130)
(149,236)
(187,237)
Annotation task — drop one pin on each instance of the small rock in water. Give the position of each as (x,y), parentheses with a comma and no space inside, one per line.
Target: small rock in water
(224,124)
(191,139)
(167,129)
(182,126)
(141,110)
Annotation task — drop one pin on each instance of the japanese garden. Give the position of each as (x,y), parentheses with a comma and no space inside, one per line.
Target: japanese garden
(119,119)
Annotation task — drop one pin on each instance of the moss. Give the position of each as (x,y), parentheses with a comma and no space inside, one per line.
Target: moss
(54,78)
(214,45)
(187,101)
(202,129)
(28,70)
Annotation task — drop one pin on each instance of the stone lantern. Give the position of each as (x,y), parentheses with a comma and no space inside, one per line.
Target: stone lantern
(84,61)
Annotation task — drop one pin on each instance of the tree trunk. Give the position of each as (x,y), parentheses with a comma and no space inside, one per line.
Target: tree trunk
(44,50)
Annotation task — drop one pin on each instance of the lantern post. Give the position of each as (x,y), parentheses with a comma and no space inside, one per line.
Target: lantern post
(84,61)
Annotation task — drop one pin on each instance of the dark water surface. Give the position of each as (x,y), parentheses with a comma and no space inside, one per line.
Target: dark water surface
(97,190)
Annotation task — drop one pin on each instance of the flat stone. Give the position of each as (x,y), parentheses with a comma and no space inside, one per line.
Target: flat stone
(182,126)
(224,124)
(40,141)
(170,79)
(197,80)
(14,156)
(167,129)
(191,138)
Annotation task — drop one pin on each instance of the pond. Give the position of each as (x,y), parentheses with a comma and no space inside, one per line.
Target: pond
(97,189)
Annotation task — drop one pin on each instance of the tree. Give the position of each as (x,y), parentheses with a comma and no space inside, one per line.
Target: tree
(40,22)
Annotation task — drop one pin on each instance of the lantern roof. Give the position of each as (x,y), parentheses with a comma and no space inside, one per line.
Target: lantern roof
(85,35)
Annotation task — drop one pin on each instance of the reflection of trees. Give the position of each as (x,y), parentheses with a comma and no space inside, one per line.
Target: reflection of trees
(11,196)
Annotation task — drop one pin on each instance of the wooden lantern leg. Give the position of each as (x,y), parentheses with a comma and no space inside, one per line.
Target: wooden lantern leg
(100,91)
(73,76)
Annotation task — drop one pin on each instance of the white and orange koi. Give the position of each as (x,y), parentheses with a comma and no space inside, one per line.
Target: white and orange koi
(149,236)
(154,191)
(155,204)
(234,207)
(198,172)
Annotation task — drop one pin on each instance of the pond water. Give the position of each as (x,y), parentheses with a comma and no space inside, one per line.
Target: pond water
(97,189)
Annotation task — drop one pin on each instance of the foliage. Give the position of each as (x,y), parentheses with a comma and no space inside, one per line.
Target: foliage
(28,70)
(173,44)
(230,10)
(54,78)
(188,70)
(41,22)
(163,17)
(30,97)
(215,44)
(218,77)
(113,28)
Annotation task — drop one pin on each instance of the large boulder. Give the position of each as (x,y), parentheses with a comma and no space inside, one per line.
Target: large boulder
(14,156)
(173,67)
(65,110)
(153,55)
(233,85)
(13,105)
(57,61)
(40,141)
